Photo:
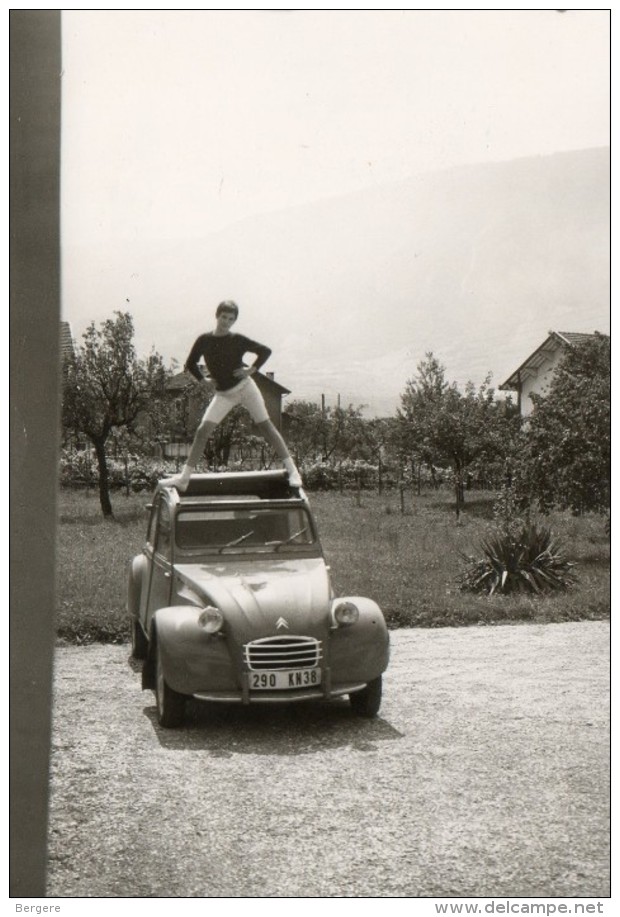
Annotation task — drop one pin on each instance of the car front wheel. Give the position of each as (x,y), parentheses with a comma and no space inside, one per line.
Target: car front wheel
(170,704)
(367,701)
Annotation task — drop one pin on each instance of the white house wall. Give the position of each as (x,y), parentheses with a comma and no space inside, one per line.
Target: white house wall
(539,384)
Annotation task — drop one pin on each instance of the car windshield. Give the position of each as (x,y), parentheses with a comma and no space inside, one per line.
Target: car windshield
(242,529)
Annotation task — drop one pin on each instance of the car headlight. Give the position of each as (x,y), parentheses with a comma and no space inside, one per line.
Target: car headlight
(211,619)
(346,613)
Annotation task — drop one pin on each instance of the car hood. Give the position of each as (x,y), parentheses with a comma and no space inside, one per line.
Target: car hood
(255,596)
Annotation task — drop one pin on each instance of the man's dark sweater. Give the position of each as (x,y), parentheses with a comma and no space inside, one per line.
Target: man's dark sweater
(222,355)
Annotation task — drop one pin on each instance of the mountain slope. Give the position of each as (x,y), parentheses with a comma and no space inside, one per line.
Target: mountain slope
(475,264)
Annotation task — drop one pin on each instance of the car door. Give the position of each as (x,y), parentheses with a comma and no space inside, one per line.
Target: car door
(160,585)
(148,551)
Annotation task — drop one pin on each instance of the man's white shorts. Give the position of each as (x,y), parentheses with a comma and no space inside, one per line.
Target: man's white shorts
(246,393)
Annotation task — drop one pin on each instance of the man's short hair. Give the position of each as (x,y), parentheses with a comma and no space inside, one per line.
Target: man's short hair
(227,306)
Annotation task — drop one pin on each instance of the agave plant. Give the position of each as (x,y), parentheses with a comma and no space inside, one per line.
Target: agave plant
(530,561)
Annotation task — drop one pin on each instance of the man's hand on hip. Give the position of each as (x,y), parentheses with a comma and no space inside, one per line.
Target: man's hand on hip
(244,372)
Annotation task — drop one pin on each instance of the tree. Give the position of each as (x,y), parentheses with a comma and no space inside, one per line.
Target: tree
(421,404)
(106,388)
(440,425)
(381,433)
(566,449)
(331,434)
(234,432)
(304,431)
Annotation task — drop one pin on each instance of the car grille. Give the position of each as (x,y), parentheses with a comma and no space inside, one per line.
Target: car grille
(283,653)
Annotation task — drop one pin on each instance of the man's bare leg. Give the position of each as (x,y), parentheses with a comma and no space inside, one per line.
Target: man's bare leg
(272,435)
(267,430)
(204,431)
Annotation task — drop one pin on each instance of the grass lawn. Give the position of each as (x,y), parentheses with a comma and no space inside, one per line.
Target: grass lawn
(407,562)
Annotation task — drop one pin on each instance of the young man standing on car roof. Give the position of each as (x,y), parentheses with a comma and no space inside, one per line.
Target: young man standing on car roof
(223,352)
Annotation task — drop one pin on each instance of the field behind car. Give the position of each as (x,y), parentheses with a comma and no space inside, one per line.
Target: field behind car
(407,561)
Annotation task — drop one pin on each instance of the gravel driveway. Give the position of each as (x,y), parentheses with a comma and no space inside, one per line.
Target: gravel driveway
(486,774)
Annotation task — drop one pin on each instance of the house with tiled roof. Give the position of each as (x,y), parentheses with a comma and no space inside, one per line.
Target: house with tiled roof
(534,374)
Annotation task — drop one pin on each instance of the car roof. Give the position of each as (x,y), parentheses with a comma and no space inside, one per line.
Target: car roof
(237,485)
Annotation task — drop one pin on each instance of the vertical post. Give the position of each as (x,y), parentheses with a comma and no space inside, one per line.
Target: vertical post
(126,476)
(35,67)
(402,498)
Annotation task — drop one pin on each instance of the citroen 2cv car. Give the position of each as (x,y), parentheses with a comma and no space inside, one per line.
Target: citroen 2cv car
(230,600)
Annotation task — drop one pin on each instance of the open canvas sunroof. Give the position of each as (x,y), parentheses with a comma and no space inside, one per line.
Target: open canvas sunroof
(264,485)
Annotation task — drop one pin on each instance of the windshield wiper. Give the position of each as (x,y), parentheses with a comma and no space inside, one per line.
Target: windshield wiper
(231,544)
(278,544)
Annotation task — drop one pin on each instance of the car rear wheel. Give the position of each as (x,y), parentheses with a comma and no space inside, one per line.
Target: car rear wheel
(367,701)
(170,704)
(139,643)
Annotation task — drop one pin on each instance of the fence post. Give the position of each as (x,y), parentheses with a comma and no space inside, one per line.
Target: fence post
(126,476)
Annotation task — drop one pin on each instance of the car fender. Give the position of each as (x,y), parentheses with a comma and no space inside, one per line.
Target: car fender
(360,651)
(191,658)
(137,573)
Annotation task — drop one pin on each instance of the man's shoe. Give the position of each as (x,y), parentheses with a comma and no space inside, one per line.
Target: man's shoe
(294,477)
(178,481)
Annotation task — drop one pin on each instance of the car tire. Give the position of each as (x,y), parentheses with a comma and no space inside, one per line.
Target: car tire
(367,701)
(170,704)
(139,643)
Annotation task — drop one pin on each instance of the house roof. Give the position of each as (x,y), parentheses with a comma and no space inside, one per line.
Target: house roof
(549,346)
(181,380)
(178,382)
(66,340)
(266,381)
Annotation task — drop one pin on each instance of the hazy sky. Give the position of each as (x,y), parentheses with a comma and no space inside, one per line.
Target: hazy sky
(179,123)
(187,120)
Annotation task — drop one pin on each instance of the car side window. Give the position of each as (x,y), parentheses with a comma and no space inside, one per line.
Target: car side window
(162,538)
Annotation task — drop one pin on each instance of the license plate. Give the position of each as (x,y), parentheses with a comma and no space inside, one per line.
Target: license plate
(278,681)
